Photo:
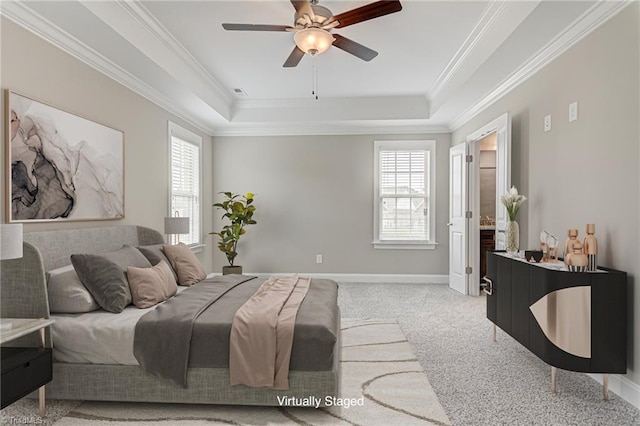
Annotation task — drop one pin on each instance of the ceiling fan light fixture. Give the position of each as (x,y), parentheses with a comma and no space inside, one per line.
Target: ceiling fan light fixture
(313,40)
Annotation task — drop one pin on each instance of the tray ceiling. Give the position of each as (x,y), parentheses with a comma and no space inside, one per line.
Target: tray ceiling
(439,63)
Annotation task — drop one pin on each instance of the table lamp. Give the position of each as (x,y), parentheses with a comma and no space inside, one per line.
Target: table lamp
(176,226)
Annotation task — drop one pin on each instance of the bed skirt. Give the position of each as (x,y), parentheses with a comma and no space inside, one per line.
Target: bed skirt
(206,385)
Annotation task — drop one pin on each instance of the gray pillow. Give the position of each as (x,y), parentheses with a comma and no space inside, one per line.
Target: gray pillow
(66,293)
(105,275)
(155,254)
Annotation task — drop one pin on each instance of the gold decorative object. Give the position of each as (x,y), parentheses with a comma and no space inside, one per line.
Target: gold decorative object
(565,318)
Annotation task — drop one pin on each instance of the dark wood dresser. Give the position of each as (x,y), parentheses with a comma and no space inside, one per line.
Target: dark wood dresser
(575,321)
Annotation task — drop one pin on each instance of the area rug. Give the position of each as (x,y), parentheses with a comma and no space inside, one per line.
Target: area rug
(382,383)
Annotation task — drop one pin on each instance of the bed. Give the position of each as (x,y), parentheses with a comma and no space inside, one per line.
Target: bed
(85,368)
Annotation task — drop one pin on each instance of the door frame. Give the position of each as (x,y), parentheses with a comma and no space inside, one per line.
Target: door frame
(473,193)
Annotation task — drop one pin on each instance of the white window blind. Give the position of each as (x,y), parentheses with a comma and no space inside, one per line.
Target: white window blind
(404,202)
(403,195)
(185,187)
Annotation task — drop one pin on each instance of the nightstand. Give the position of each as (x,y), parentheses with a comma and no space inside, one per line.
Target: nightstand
(24,369)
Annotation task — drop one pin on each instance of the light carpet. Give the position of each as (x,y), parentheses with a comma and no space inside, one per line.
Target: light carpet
(479,381)
(378,370)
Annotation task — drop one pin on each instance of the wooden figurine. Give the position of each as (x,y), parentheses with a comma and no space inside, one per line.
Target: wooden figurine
(590,247)
(568,245)
(577,261)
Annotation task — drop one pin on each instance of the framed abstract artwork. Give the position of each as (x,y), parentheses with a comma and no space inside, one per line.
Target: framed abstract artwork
(59,166)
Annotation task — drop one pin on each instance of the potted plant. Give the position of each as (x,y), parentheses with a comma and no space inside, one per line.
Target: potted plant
(239,210)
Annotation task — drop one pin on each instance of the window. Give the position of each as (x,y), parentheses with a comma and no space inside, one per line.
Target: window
(185,182)
(404,194)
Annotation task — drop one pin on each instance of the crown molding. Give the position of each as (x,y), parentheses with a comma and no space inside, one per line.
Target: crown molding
(595,16)
(146,20)
(27,18)
(373,109)
(137,28)
(329,129)
(485,22)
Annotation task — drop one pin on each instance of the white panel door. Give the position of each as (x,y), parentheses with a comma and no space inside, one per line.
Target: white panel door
(457,218)
(503,177)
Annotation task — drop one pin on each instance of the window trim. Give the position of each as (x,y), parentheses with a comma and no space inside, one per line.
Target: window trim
(423,144)
(175,130)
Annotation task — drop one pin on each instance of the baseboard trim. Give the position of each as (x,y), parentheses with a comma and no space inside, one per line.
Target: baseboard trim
(621,386)
(364,278)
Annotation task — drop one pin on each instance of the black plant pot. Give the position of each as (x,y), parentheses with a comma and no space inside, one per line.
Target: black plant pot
(226,270)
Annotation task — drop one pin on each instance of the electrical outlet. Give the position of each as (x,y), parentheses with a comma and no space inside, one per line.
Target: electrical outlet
(318,258)
(573,111)
(547,123)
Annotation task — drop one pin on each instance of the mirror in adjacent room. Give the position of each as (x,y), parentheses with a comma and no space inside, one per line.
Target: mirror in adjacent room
(487,198)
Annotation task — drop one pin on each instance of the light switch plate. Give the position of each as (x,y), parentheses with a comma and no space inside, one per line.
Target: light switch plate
(573,111)
(547,123)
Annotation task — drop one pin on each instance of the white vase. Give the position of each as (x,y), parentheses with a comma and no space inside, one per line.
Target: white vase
(513,236)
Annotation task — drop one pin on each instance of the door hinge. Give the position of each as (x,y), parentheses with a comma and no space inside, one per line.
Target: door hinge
(468,214)
(468,270)
(469,158)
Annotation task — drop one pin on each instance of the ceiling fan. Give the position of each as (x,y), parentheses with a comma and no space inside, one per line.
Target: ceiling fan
(313,24)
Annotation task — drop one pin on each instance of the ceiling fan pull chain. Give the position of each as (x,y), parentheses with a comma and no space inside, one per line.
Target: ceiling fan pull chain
(315,73)
(314,80)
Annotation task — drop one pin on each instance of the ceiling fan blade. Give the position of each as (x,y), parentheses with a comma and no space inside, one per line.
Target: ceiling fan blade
(364,13)
(294,58)
(354,48)
(255,27)
(302,7)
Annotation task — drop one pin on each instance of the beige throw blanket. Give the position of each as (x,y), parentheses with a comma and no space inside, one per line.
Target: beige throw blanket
(262,334)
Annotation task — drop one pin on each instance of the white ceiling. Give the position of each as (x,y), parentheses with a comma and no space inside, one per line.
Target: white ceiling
(439,63)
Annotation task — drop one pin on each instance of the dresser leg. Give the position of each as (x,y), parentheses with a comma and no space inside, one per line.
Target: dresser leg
(605,387)
(553,379)
(41,399)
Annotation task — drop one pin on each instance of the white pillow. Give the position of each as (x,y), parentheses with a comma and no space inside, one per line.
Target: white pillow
(67,294)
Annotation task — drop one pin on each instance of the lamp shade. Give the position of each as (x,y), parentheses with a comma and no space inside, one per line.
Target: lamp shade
(313,40)
(11,241)
(176,225)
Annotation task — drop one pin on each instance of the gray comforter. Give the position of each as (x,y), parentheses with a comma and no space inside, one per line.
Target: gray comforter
(192,329)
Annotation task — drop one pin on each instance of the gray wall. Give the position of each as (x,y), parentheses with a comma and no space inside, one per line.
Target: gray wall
(37,69)
(585,171)
(314,195)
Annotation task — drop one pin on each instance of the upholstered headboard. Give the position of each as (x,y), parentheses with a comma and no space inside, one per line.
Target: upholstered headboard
(56,247)
(23,284)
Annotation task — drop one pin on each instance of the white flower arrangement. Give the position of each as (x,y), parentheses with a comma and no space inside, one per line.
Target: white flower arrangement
(512,202)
